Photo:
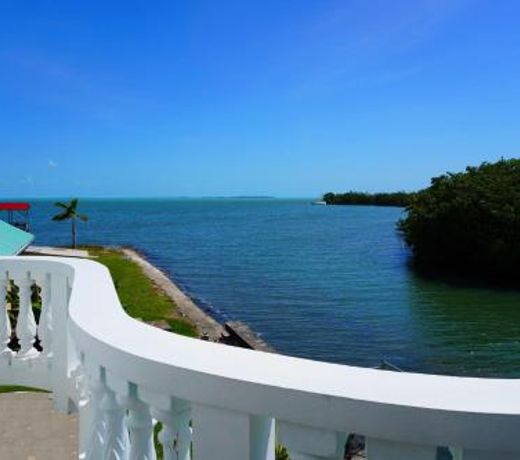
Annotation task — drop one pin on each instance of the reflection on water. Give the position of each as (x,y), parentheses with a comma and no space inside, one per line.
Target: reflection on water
(322,282)
(478,330)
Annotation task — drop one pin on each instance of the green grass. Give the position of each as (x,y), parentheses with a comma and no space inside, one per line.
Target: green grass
(15,388)
(140,298)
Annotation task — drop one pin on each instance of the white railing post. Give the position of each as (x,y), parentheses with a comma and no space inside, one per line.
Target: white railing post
(175,435)
(309,443)
(45,322)
(116,442)
(456,453)
(5,324)
(59,347)
(26,324)
(92,424)
(263,437)
(140,426)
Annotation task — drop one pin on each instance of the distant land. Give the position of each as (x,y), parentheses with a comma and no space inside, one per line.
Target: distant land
(250,197)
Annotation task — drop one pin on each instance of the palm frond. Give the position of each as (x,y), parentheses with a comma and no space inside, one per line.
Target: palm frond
(62,216)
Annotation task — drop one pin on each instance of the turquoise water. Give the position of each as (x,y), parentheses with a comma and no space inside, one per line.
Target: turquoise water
(328,283)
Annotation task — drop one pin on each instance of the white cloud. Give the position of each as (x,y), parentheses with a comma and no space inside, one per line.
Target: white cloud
(28,180)
(52,164)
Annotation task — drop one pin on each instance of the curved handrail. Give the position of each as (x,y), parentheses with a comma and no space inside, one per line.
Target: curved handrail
(440,410)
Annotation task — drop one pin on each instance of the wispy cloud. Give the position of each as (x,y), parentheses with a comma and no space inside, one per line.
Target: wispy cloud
(382,28)
(28,180)
(351,40)
(52,164)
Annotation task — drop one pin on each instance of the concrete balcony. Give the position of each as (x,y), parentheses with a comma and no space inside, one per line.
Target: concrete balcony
(216,402)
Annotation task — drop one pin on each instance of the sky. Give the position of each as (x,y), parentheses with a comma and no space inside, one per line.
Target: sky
(272,97)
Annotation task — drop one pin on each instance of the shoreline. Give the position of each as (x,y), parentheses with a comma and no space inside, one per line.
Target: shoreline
(235,333)
(205,324)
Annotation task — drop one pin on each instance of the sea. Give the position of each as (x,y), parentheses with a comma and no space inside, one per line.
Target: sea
(331,283)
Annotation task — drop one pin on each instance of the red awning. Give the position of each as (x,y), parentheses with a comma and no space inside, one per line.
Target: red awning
(14,206)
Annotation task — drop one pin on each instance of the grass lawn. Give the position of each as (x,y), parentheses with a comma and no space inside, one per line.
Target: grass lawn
(140,298)
(15,388)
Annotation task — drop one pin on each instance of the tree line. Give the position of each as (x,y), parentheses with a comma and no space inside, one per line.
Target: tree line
(373,199)
(468,222)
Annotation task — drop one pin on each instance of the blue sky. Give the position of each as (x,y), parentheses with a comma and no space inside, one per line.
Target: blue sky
(285,98)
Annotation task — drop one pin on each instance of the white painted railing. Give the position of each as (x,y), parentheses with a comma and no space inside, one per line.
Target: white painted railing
(217,402)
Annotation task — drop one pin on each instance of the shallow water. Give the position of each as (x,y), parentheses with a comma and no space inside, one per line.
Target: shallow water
(322,282)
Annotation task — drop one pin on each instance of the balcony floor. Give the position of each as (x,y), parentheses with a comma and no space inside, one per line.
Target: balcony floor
(32,430)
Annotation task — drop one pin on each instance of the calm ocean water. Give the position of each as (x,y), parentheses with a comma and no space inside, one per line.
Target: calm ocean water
(328,283)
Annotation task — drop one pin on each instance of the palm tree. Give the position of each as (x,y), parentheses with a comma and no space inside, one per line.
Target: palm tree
(70,211)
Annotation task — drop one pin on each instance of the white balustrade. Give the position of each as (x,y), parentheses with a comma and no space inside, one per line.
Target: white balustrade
(92,421)
(215,402)
(44,328)
(116,441)
(175,434)
(140,426)
(26,324)
(5,323)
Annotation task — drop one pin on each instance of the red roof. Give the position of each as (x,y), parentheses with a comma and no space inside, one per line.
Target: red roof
(14,206)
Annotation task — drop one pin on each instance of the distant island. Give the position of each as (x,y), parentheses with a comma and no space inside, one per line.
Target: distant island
(251,197)
(399,199)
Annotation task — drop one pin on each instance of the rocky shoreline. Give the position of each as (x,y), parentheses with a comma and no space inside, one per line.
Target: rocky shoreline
(233,333)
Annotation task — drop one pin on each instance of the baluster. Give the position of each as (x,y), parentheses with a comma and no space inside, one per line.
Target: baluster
(379,449)
(140,426)
(219,434)
(308,443)
(60,342)
(116,435)
(45,323)
(5,323)
(26,324)
(263,437)
(92,424)
(175,435)
(456,453)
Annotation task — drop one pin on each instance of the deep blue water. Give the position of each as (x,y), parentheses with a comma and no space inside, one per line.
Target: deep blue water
(323,282)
